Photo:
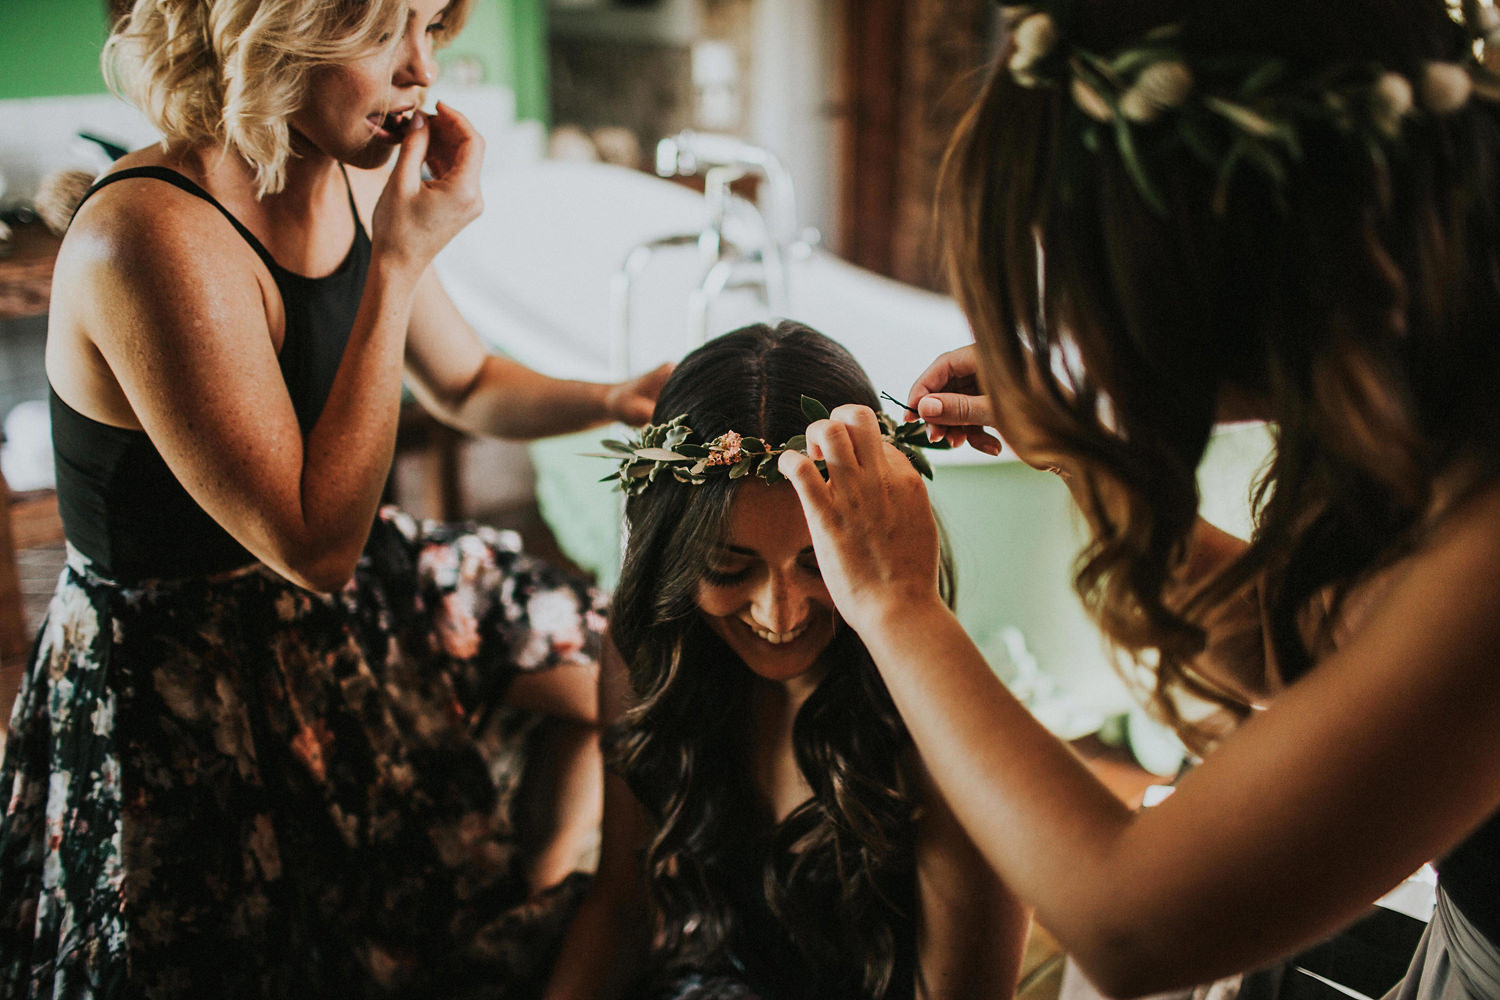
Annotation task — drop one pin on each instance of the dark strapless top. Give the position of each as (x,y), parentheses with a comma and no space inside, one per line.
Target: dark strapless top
(120,504)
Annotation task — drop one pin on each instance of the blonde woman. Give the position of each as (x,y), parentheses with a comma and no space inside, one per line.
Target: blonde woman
(269,740)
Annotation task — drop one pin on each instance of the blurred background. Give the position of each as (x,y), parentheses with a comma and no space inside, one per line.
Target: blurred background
(658,172)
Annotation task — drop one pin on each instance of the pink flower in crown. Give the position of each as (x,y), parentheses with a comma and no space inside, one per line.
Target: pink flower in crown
(729,452)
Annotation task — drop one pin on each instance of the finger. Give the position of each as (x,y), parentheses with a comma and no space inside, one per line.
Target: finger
(638,410)
(828,441)
(407,175)
(960,363)
(954,436)
(953,408)
(986,443)
(457,149)
(657,378)
(805,478)
(864,428)
(863,431)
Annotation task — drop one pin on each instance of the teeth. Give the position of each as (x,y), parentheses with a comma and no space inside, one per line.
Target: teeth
(778,638)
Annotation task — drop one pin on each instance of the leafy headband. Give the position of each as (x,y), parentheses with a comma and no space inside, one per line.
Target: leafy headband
(1232,110)
(670,448)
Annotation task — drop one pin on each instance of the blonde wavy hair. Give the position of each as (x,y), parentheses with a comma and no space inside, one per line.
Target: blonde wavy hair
(232,72)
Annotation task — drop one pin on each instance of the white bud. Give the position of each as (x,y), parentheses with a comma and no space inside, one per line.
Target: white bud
(1091,103)
(1160,86)
(1392,100)
(1035,37)
(1445,87)
(1167,84)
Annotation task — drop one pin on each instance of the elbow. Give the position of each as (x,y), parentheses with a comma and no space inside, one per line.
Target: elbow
(1120,980)
(1120,985)
(1127,964)
(321,569)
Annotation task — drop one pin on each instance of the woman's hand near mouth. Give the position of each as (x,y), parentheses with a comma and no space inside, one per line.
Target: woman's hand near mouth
(416,217)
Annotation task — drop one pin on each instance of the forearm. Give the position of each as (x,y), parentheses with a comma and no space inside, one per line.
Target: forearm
(508,400)
(1040,818)
(603,951)
(347,452)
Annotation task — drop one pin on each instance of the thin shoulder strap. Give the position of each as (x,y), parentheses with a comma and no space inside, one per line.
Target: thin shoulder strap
(179,180)
(359,223)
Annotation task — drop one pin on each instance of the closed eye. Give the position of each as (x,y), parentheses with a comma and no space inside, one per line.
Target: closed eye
(725,578)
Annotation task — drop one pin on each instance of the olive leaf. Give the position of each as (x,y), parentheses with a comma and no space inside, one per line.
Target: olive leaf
(813,410)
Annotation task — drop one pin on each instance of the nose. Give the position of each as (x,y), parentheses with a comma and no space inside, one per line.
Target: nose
(780,603)
(416,64)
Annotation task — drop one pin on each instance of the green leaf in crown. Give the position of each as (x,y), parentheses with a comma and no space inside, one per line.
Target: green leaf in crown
(670,448)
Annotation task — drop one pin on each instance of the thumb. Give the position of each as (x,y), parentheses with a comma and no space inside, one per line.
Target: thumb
(408,172)
(952,408)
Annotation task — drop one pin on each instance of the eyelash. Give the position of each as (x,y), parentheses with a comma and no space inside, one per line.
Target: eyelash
(721,579)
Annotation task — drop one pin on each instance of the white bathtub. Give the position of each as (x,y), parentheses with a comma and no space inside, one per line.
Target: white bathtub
(534,276)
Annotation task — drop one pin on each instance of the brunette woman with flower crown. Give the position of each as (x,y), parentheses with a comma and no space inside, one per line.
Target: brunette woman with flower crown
(272,739)
(1164,216)
(769,829)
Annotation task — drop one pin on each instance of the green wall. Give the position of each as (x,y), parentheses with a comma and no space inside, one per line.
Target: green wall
(51,48)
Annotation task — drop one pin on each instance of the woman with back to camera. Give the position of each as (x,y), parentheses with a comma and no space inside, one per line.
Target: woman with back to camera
(769,830)
(270,739)
(1163,216)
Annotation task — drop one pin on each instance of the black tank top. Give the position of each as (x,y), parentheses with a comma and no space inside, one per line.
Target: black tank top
(120,504)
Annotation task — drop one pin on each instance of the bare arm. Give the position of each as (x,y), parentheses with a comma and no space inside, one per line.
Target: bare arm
(174,312)
(1382,758)
(972,931)
(458,380)
(606,944)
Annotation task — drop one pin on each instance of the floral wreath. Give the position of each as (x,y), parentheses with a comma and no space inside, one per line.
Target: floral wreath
(668,448)
(1230,110)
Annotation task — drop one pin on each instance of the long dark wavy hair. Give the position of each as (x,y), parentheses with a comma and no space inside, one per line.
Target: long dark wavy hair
(839,874)
(1356,302)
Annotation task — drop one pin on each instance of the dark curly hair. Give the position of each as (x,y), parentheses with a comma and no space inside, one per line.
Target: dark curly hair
(839,873)
(1355,301)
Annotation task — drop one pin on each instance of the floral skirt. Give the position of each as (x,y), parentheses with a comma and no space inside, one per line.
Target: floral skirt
(232,787)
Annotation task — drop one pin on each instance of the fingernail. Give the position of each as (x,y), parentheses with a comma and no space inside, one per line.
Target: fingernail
(418,121)
(930,406)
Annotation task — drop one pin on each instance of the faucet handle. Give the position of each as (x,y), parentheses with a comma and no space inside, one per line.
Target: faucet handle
(673,160)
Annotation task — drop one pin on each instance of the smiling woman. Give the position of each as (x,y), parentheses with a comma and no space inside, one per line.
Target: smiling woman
(768,831)
(761,592)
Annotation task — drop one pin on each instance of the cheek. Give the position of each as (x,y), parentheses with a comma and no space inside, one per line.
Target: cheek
(718,602)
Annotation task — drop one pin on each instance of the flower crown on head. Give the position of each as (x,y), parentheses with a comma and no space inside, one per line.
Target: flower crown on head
(1232,110)
(669,448)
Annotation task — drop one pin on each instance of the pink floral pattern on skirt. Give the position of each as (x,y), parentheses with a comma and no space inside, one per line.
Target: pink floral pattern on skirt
(231,787)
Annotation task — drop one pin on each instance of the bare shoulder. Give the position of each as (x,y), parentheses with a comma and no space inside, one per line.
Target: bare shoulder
(147,234)
(147,271)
